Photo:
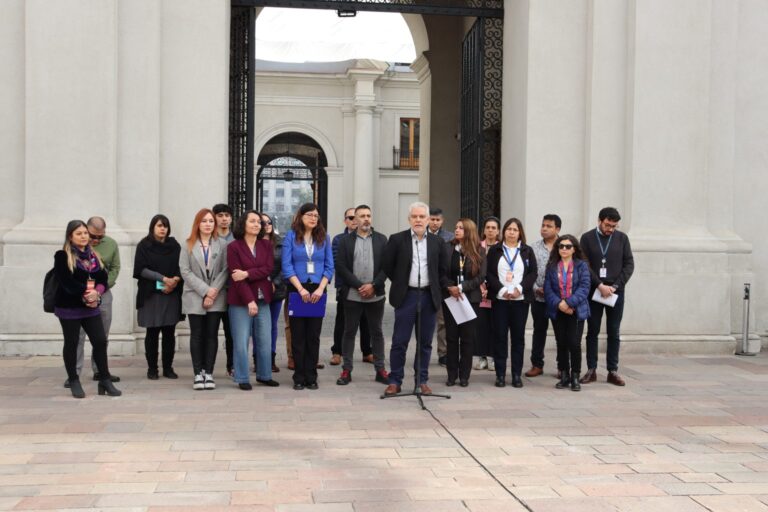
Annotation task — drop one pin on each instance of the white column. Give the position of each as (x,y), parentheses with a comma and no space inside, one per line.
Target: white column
(421,67)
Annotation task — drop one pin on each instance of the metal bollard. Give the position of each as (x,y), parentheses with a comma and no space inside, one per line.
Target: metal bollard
(745,324)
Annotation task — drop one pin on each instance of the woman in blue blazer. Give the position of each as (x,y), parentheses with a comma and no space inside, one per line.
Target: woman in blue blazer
(566,292)
(308,268)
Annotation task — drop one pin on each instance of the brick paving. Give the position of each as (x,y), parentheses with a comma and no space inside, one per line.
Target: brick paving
(685,434)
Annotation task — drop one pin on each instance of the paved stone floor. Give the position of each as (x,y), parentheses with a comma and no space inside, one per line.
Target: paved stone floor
(685,434)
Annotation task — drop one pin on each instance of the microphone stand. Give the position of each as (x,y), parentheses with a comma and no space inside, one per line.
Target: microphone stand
(417,359)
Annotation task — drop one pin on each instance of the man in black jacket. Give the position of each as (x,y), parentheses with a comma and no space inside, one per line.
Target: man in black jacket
(413,261)
(611,264)
(359,264)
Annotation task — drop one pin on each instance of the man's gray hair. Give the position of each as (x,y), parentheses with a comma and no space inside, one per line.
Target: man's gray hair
(418,204)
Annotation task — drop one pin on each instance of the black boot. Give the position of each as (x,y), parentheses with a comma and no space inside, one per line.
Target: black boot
(275,369)
(575,385)
(565,380)
(76,388)
(107,388)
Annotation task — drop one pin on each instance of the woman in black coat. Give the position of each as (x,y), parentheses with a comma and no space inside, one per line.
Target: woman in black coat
(510,278)
(158,298)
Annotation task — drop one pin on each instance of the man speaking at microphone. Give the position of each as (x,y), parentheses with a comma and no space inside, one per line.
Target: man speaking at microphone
(413,260)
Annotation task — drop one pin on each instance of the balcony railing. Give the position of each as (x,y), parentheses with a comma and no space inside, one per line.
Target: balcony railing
(407,159)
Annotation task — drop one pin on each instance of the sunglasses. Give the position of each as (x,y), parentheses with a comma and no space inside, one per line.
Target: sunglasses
(565,247)
(267,222)
(350,217)
(95,237)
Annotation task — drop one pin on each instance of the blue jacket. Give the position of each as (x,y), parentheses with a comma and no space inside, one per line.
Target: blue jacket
(295,260)
(579,299)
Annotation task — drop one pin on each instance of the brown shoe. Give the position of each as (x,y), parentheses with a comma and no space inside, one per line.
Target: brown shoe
(320,366)
(368,358)
(291,366)
(615,379)
(425,390)
(392,390)
(590,376)
(535,371)
(335,360)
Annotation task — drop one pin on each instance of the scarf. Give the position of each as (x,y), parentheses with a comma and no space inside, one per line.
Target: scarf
(86,259)
(566,285)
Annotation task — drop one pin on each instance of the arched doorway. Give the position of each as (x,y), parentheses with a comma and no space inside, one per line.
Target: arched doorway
(290,172)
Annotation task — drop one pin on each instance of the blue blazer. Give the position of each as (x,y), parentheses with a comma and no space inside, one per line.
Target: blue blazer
(295,260)
(579,299)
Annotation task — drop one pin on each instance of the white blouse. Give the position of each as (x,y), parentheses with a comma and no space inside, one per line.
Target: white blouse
(504,270)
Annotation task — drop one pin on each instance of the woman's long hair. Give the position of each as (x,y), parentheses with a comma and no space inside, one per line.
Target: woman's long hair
(470,244)
(519,224)
(157,219)
(318,233)
(554,256)
(194,234)
(274,235)
(71,256)
(238,230)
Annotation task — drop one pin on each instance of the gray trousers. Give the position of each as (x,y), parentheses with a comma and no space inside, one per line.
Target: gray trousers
(106,319)
(374,313)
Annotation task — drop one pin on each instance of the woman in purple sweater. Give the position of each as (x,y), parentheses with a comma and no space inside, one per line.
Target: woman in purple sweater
(82,280)
(250,261)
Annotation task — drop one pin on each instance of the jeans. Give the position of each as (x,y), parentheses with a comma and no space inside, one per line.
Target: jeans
(274,308)
(612,323)
(510,317)
(460,340)
(257,327)
(568,331)
(106,318)
(339,326)
(355,313)
(95,331)
(539,339)
(151,341)
(204,340)
(405,321)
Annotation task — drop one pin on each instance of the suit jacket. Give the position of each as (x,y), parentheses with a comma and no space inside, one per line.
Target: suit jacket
(398,255)
(259,268)
(471,285)
(197,283)
(345,263)
(530,272)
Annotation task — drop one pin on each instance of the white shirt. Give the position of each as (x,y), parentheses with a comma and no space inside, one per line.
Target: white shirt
(517,272)
(419,262)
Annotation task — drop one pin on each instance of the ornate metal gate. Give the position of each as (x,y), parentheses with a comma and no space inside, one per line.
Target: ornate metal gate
(481,90)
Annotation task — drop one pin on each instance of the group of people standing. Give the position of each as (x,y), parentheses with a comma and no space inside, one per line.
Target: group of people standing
(241,274)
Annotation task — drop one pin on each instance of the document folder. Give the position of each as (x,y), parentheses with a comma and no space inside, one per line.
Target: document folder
(301,309)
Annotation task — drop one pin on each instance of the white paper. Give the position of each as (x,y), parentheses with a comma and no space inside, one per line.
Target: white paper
(608,301)
(460,309)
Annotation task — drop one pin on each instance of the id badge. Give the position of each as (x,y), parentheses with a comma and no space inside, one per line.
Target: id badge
(603,272)
(90,285)
(159,285)
(510,277)
(310,267)
(459,279)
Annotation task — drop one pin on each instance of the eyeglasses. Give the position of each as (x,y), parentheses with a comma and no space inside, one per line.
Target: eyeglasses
(350,217)
(565,247)
(313,215)
(95,237)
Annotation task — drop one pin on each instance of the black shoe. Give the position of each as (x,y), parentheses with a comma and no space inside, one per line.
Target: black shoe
(76,388)
(168,373)
(67,385)
(345,378)
(517,382)
(245,386)
(312,386)
(113,378)
(450,382)
(271,383)
(463,382)
(442,360)
(575,384)
(500,382)
(565,380)
(107,388)
(298,386)
(152,374)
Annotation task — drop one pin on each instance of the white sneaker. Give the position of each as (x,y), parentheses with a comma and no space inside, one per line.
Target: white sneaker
(481,363)
(199,381)
(491,366)
(209,382)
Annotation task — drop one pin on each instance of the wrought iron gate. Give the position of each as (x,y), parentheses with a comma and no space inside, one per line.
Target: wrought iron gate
(481,89)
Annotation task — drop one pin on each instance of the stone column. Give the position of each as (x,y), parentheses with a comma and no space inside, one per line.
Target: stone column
(421,67)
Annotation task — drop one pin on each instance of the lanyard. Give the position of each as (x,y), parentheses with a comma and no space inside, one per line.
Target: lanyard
(510,262)
(310,248)
(603,250)
(462,258)
(206,253)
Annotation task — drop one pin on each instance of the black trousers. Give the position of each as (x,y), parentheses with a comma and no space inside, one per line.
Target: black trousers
(339,326)
(460,340)
(509,317)
(94,328)
(151,341)
(356,314)
(568,331)
(539,339)
(484,341)
(204,340)
(305,345)
(227,339)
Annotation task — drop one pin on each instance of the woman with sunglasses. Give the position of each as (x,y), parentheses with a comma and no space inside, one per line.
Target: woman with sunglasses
(308,267)
(278,284)
(566,291)
(510,277)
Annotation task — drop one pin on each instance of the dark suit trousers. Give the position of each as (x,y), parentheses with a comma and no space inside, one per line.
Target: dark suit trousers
(612,324)
(540,325)
(510,317)
(405,321)
(339,326)
(460,340)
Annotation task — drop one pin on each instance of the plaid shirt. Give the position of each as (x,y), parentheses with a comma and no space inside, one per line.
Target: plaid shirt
(542,258)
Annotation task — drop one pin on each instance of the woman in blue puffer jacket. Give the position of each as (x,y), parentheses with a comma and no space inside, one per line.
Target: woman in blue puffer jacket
(566,291)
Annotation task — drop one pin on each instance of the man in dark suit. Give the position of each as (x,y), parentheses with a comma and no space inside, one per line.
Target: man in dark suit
(359,265)
(413,261)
